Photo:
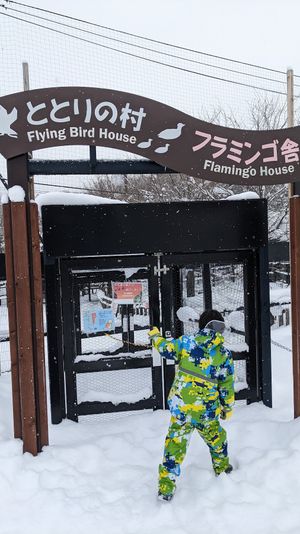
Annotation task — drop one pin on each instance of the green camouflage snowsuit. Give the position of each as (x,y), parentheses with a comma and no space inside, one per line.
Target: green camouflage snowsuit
(203,389)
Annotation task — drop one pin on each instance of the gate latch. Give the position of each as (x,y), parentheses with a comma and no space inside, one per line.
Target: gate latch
(161,270)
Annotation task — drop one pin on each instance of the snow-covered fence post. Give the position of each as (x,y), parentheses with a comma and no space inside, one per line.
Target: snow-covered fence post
(25,320)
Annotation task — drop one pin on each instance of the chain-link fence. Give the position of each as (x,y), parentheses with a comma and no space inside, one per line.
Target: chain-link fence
(227,296)
(62,50)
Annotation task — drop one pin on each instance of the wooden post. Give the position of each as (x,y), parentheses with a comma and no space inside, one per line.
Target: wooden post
(11,306)
(26,87)
(290,97)
(23,268)
(23,296)
(38,338)
(25,68)
(295,292)
(294,189)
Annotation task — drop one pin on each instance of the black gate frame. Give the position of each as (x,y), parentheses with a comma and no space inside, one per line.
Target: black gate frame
(132,234)
(72,273)
(254,293)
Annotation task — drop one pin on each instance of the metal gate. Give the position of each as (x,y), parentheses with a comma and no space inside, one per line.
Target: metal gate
(100,360)
(108,361)
(109,304)
(225,281)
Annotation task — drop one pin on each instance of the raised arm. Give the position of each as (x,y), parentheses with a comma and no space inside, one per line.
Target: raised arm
(168,348)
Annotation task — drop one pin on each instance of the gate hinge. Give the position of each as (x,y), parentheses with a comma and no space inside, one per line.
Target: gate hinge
(161,270)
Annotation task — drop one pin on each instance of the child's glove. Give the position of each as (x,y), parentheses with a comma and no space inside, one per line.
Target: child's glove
(153,333)
(226,415)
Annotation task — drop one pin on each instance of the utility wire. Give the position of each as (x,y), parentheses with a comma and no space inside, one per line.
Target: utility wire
(142,37)
(280,345)
(182,69)
(85,189)
(62,186)
(3,181)
(99,35)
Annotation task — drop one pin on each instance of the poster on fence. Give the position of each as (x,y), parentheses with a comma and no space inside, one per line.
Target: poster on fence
(98,320)
(127,292)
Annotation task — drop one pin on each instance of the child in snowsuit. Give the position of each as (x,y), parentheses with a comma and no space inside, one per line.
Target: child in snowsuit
(202,391)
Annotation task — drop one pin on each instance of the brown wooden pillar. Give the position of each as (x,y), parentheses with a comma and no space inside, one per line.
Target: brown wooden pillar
(25,304)
(295,295)
(38,337)
(11,306)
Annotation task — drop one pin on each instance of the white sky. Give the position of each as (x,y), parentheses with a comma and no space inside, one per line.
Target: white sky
(257,31)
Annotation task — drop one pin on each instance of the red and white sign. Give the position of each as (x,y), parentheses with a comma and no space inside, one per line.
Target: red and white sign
(127,292)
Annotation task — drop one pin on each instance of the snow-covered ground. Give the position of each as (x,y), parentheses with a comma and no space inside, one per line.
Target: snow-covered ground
(100,477)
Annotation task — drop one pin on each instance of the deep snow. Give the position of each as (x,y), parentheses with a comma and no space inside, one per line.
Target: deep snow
(100,477)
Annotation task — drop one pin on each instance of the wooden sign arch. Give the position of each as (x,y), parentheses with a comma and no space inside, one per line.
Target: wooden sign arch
(60,116)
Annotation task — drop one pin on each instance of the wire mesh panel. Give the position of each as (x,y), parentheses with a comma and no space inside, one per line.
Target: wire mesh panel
(191,283)
(110,368)
(221,287)
(128,385)
(114,315)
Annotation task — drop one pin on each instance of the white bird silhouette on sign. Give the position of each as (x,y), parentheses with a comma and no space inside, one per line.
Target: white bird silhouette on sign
(6,119)
(145,144)
(162,149)
(172,133)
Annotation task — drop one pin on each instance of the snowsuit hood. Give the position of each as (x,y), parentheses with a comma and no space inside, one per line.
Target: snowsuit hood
(208,339)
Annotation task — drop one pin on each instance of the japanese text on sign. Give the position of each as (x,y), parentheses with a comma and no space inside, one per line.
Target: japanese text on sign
(240,152)
(62,112)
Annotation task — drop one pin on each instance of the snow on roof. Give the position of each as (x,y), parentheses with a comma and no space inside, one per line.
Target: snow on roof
(73,199)
(248,195)
(280,295)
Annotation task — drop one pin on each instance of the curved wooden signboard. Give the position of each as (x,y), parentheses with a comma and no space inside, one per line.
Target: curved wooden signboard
(60,116)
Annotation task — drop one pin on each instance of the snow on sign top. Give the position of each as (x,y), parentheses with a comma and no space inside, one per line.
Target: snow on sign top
(75,199)
(16,194)
(60,116)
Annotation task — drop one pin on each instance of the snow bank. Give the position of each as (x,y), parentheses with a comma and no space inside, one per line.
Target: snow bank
(234,345)
(186,314)
(236,319)
(101,396)
(95,356)
(99,477)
